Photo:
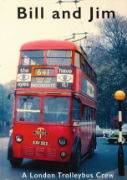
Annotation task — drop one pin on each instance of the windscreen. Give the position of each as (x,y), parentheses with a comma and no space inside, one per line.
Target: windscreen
(28,109)
(59,57)
(56,110)
(33,57)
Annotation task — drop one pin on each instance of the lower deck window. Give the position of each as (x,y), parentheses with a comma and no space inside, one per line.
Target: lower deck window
(76,110)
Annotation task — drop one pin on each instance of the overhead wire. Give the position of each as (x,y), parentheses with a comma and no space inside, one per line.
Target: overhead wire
(70,29)
(83,30)
(79,39)
(75,1)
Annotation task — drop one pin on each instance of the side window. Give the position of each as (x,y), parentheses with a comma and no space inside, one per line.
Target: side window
(77,60)
(83,65)
(95,78)
(88,113)
(87,116)
(88,70)
(84,113)
(92,76)
(76,115)
(93,114)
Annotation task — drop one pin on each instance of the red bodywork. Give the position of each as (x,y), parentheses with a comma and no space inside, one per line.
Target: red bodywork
(50,152)
(53,131)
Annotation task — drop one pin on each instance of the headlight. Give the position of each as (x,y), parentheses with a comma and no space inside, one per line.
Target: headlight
(62,141)
(19,138)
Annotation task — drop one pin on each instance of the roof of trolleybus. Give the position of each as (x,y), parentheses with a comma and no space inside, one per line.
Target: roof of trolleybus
(54,45)
(50,44)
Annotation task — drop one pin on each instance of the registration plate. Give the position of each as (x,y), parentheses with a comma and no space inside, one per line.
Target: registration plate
(41,143)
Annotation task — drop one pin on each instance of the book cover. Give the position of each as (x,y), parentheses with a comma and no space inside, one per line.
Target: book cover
(98,27)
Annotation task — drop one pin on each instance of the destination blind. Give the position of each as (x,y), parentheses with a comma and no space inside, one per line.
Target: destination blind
(45,77)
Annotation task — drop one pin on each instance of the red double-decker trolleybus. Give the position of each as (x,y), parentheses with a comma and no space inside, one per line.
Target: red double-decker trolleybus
(55,104)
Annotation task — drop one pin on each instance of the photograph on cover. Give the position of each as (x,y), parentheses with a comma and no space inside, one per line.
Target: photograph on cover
(63,69)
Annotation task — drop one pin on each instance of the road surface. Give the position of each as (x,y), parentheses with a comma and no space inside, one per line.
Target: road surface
(103,165)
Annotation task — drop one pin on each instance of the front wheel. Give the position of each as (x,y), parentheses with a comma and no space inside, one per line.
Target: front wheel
(76,161)
(92,147)
(16,162)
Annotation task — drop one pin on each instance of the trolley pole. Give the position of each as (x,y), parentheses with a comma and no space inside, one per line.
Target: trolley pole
(120,96)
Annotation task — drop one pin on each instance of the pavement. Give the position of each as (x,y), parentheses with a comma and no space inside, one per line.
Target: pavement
(117,177)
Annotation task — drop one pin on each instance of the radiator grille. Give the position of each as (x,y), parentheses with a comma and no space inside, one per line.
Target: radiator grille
(46,153)
(39,152)
(28,151)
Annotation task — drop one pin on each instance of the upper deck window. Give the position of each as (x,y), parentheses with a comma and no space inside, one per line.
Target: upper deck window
(89,71)
(33,57)
(77,60)
(83,64)
(59,57)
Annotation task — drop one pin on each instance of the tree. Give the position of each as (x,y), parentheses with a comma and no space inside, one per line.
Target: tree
(9,104)
(2,103)
(6,105)
(114,37)
(108,53)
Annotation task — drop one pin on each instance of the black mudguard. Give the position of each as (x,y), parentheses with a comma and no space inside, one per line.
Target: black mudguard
(10,152)
(77,142)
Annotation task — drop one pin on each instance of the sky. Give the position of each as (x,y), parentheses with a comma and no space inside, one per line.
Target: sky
(14,32)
